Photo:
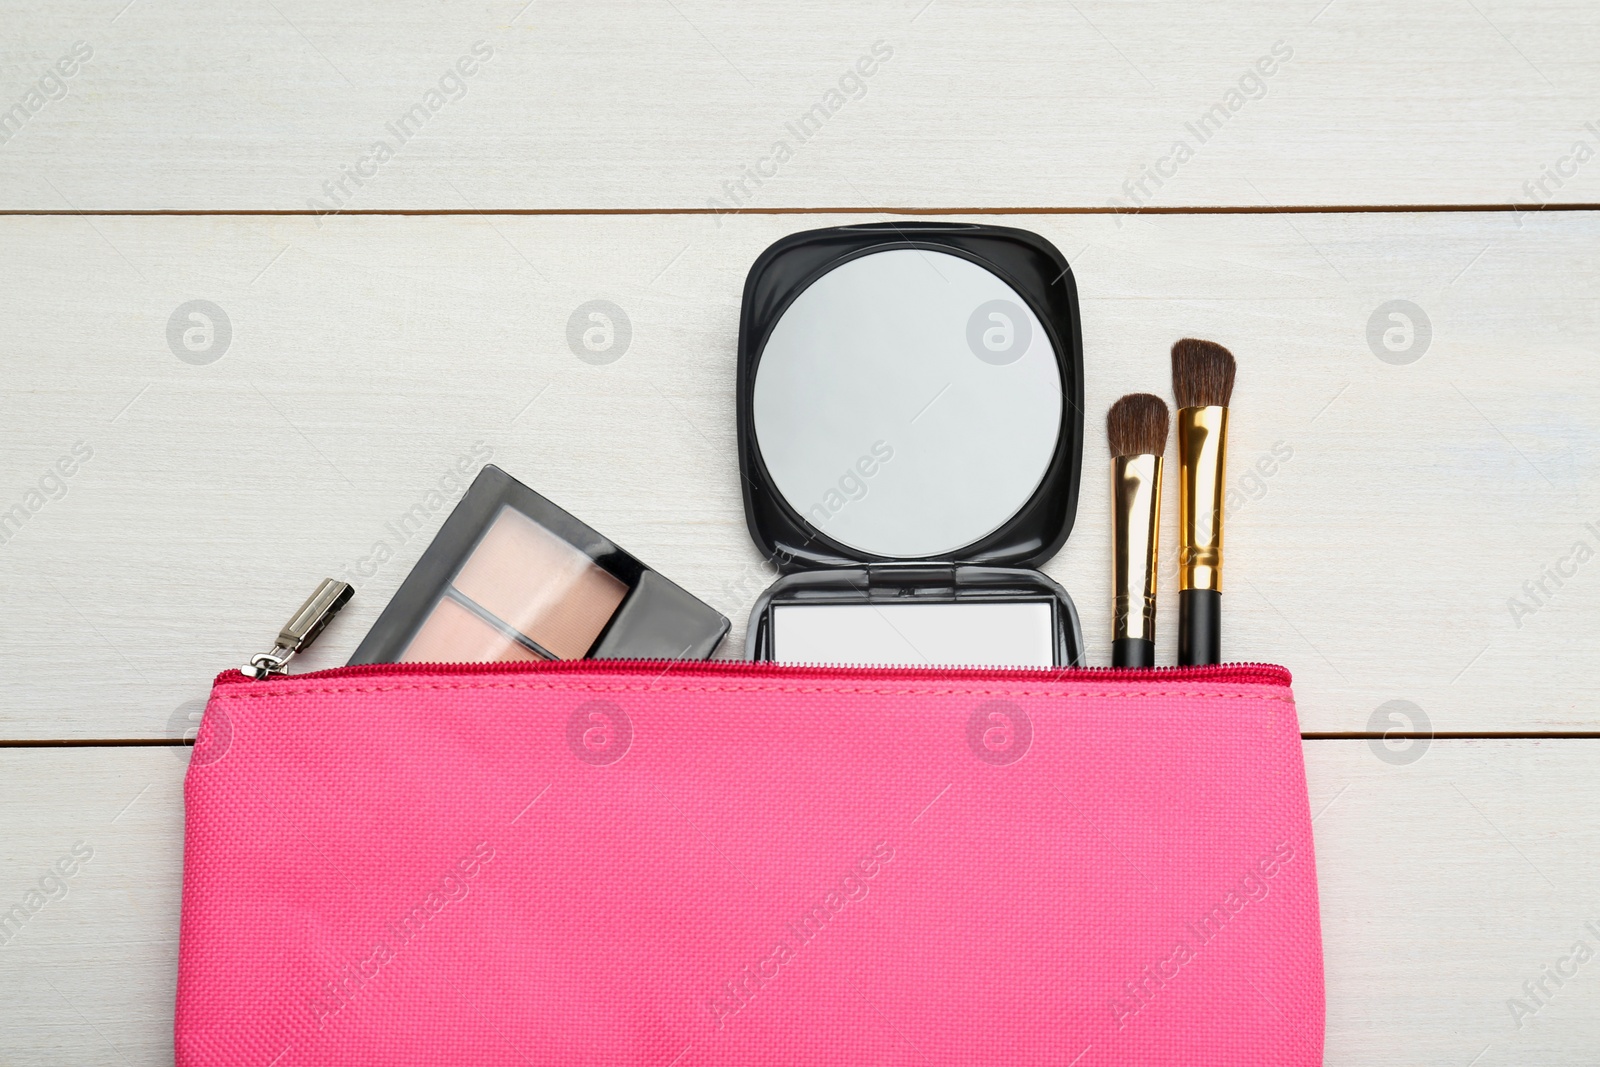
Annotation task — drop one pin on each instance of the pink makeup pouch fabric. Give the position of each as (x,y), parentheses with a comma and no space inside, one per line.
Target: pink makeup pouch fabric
(683,865)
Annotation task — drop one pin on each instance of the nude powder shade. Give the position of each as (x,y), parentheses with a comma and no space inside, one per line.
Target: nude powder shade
(453,634)
(539,585)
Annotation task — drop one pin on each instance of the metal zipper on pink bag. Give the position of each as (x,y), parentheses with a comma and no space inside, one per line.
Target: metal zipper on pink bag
(303,627)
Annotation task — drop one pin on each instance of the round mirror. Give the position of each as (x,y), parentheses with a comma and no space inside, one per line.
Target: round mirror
(907,403)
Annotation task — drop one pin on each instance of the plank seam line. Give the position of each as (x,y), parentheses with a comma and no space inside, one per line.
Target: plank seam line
(1288,209)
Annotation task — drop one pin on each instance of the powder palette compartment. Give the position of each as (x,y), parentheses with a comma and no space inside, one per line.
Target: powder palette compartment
(513,577)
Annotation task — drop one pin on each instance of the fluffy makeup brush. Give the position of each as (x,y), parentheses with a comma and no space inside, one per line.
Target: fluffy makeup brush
(1202,382)
(1136,427)
(1202,374)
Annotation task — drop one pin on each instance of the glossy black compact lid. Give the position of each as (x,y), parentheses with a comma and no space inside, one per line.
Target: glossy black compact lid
(1024,261)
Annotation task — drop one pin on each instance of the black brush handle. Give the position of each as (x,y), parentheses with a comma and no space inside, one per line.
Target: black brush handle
(1199,627)
(1133,652)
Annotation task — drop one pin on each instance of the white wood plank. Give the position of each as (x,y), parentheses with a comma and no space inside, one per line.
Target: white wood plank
(1446,884)
(638,103)
(1377,561)
(90,976)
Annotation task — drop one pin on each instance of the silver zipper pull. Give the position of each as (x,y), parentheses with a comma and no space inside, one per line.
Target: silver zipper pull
(301,629)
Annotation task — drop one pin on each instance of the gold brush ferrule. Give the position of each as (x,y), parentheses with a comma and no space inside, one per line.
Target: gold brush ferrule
(1135,530)
(1202,474)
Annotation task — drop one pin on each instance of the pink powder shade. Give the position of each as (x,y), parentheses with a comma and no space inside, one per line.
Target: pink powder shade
(452,634)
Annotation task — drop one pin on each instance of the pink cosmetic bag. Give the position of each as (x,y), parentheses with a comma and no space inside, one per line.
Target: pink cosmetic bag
(682,865)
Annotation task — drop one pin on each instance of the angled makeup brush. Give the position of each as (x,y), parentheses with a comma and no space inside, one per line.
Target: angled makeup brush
(1202,382)
(1136,427)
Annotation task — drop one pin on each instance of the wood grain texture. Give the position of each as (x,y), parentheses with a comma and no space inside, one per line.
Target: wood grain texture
(1375,554)
(1446,883)
(647,104)
(1403,532)
(89,977)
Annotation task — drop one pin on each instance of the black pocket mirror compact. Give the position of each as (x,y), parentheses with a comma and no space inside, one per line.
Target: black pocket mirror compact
(910,404)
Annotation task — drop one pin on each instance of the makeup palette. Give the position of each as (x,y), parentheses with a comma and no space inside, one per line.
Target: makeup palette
(910,403)
(512,577)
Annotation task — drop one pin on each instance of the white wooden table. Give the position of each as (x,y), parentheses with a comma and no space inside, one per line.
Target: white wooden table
(1418,545)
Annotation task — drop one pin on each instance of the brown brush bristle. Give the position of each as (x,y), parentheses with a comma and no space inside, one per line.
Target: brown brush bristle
(1136,425)
(1202,374)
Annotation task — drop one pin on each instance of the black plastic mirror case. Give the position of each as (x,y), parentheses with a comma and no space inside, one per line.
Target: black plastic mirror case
(817,569)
